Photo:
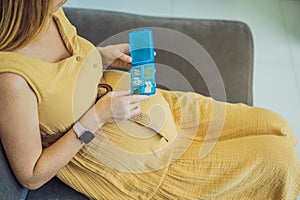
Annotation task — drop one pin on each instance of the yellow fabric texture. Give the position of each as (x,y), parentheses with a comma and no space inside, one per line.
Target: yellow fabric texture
(183,146)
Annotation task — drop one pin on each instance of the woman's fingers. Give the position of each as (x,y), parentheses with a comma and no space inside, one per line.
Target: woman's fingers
(124,105)
(134,106)
(121,51)
(126,112)
(121,93)
(125,48)
(131,98)
(135,112)
(137,98)
(120,64)
(125,58)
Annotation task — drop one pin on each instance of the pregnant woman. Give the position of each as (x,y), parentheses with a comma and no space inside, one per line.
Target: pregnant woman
(172,145)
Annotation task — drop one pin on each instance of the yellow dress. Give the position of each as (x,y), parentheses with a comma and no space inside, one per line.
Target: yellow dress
(183,146)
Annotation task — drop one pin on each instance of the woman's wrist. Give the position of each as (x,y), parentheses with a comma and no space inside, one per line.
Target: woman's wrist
(91,120)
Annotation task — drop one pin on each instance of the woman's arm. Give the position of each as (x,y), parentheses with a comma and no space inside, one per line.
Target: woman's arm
(32,165)
(20,135)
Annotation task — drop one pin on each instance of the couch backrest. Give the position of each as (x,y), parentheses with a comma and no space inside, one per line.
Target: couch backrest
(229,43)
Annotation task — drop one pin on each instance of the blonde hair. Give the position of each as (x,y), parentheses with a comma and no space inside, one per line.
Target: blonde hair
(22,21)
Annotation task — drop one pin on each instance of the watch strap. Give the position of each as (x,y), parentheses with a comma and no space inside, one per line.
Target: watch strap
(78,129)
(83,134)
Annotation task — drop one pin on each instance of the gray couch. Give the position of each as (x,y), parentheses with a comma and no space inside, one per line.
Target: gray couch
(229,43)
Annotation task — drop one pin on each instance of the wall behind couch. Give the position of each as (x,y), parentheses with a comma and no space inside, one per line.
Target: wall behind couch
(276,33)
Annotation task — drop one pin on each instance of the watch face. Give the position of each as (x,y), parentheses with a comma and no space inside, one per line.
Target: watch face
(86,137)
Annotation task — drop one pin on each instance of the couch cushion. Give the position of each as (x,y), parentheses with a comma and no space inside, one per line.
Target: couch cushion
(10,188)
(55,189)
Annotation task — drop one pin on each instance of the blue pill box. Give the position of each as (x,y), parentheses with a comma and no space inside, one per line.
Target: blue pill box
(143,79)
(142,72)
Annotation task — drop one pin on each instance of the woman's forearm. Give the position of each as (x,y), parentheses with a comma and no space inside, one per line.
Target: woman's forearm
(59,154)
(53,159)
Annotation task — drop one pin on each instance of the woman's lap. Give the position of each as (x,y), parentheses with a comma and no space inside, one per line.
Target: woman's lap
(250,156)
(254,167)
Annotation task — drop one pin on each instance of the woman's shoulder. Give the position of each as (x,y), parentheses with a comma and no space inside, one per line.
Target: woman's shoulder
(18,72)
(12,83)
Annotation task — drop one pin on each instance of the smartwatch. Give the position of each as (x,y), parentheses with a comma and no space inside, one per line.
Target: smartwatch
(82,133)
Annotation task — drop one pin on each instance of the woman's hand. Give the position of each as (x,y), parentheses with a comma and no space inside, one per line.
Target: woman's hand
(116,56)
(119,105)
